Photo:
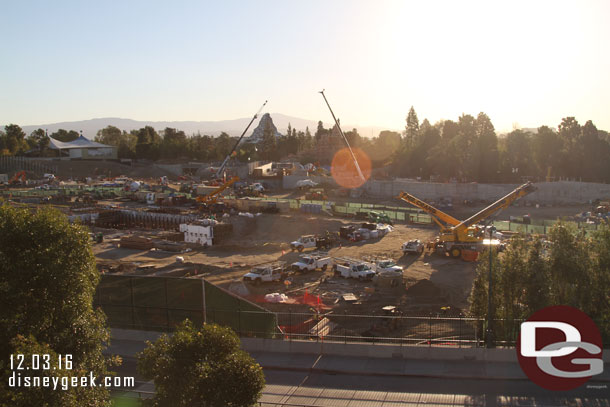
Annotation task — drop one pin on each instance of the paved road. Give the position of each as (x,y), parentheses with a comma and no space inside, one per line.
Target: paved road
(303,388)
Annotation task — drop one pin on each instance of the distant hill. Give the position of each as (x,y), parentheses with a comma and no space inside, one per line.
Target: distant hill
(212,128)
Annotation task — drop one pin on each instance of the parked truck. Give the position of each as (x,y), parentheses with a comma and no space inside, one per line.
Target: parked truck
(312,262)
(387,267)
(414,246)
(312,241)
(352,268)
(268,272)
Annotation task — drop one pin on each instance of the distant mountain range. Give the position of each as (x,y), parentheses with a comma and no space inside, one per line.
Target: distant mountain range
(212,128)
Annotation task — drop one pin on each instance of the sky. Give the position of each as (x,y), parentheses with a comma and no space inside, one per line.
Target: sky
(523,63)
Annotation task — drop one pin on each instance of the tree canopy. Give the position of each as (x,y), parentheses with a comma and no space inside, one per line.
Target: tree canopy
(201,367)
(567,269)
(47,282)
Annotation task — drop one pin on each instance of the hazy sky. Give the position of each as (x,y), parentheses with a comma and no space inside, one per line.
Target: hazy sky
(525,62)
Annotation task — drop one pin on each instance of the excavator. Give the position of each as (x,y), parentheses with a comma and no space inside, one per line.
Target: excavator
(212,197)
(456,235)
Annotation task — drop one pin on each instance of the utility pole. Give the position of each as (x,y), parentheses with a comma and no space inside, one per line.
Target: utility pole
(490,333)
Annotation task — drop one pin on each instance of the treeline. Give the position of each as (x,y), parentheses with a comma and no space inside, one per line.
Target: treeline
(465,150)
(568,269)
(147,143)
(469,150)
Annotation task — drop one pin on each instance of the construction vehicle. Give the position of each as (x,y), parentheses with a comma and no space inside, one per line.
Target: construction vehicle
(455,235)
(274,271)
(314,261)
(352,268)
(374,216)
(220,172)
(212,197)
(386,267)
(414,246)
(316,194)
(18,179)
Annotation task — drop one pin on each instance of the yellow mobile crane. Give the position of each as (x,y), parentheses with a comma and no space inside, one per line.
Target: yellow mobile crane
(456,235)
(212,197)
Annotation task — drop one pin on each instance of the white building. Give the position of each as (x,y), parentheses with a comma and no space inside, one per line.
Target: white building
(83,148)
(201,234)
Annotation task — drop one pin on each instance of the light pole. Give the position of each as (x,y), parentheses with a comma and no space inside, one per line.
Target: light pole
(490,332)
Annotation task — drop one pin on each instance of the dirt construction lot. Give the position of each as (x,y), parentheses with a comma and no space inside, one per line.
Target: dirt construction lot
(448,281)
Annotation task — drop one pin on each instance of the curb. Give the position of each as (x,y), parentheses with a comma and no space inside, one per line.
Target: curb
(315,370)
(388,374)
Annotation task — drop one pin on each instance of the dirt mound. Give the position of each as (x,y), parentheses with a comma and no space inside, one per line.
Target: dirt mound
(424,288)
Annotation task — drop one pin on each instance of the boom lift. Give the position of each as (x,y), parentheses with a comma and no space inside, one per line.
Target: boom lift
(212,197)
(456,235)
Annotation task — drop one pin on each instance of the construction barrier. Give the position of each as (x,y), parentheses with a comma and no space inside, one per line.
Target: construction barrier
(161,303)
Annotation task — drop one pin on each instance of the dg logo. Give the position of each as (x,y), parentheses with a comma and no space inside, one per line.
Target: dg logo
(560,348)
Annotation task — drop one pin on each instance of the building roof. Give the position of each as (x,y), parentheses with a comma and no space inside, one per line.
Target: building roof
(81,142)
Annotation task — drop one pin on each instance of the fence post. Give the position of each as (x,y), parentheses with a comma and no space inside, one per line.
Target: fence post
(430,330)
(460,332)
(133,311)
(239,320)
(166,306)
(344,328)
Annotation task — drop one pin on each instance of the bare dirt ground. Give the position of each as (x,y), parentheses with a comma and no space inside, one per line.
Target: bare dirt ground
(226,263)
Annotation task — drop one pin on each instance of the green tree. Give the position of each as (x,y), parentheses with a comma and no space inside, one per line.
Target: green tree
(412,128)
(547,149)
(47,282)
(486,146)
(268,145)
(201,367)
(573,155)
(516,156)
(320,131)
(38,139)
(568,269)
(148,143)
(125,142)
(14,139)
(222,146)
(65,135)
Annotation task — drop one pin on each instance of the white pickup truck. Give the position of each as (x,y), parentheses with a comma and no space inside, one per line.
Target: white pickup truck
(304,242)
(311,263)
(349,268)
(386,266)
(413,246)
(266,273)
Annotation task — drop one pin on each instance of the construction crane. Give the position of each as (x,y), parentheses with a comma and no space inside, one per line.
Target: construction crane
(344,138)
(224,163)
(456,235)
(212,197)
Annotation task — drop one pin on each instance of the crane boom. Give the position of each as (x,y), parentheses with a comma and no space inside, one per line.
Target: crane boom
(224,163)
(500,204)
(456,235)
(344,138)
(431,210)
(211,197)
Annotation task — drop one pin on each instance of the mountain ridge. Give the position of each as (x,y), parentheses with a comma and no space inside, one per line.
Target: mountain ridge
(234,127)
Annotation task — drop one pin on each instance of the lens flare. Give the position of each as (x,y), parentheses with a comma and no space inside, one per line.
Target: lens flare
(344,170)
